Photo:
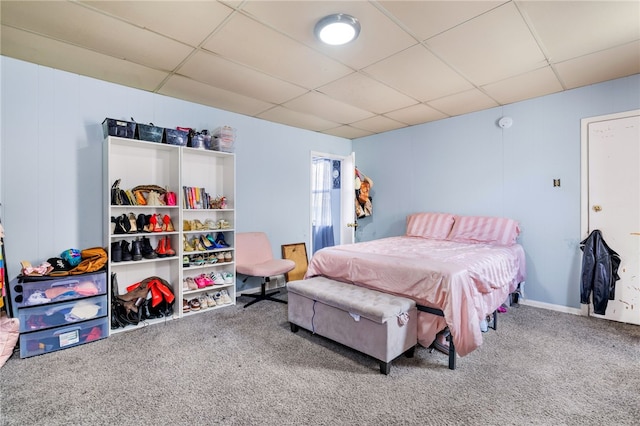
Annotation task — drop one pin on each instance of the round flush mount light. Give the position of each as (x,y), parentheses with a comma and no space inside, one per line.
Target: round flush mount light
(337,29)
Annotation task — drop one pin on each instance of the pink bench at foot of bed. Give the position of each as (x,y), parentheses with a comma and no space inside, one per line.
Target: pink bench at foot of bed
(378,324)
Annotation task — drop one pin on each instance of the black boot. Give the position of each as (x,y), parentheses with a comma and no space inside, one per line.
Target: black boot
(136,249)
(116,252)
(126,253)
(147,251)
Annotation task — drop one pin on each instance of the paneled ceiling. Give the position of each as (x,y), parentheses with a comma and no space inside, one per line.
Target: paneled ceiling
(414,62)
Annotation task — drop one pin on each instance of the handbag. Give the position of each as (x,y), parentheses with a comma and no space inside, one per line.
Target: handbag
(118,196)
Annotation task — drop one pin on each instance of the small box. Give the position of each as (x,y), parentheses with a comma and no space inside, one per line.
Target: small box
(27,291)
(119,128)
(48,316)
(51,340)
(150,133)
(176,137)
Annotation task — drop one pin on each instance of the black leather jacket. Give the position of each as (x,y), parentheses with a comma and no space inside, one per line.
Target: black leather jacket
(599,272)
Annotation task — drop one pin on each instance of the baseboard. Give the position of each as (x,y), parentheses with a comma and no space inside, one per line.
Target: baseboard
(552,307)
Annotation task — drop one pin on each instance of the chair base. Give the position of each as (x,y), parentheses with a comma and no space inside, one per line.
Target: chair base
(263,295)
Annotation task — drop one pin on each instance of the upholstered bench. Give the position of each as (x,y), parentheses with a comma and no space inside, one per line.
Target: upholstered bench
(380,325)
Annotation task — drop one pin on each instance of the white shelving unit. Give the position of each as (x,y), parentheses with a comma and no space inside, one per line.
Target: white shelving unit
(215,172)
(172,167)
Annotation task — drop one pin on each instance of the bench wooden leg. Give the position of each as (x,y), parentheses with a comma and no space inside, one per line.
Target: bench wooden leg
(385,367)
(294,327)
(410,352)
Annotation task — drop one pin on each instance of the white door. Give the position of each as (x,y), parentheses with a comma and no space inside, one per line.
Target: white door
(613,203)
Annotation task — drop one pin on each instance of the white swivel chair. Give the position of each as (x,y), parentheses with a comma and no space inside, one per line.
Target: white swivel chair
(254,258)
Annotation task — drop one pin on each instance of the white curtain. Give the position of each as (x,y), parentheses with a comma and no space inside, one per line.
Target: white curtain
(321,203)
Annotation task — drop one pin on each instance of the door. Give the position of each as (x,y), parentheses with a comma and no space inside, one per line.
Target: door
(613,202)
(341,197)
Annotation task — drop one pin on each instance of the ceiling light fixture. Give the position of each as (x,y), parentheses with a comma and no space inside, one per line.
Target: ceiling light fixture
(337,29)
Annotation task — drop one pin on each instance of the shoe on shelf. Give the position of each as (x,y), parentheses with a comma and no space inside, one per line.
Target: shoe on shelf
(116,252)
(191,283)
(228,257)
(217,278)
(211,301)
(185,261)
(167,225)
(220,256)
(186,225)
(126,252)
(211,224)
(212,258)
(218,298)
(194,304)
(185,306)
(226,299)
(227,277)
(200,282)
(204,302)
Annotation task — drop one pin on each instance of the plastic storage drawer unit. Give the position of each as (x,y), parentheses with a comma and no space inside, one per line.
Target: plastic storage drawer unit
(45,341)
(27,292)
(42,317)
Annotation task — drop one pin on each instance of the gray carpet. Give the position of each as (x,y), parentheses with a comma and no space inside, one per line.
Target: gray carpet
(236,366)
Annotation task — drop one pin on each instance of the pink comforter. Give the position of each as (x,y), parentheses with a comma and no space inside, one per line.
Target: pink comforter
(466,281)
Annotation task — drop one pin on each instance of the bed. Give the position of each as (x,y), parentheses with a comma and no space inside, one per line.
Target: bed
(460,268)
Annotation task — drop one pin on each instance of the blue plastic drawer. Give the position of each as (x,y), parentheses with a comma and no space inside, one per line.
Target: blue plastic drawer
(54,315)
(26,292)
(45,341)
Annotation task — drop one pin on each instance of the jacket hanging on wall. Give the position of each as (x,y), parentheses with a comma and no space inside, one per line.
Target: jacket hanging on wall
(599,272)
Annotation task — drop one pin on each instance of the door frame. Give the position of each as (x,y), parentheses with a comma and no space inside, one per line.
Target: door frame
(343,189)
(584,174)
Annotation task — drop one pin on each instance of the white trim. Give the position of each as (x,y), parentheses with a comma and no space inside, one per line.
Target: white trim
(552,307)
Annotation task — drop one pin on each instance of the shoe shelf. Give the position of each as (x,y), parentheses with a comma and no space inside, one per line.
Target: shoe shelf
(175,168)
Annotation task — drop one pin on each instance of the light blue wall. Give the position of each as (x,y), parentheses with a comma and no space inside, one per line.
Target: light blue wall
(51,152)
(468,165)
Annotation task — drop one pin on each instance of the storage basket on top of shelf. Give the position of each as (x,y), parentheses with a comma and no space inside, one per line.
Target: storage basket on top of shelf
(119,128)
(176,137)
(149,132)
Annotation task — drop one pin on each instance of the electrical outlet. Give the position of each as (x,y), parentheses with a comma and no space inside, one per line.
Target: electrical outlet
(556,183)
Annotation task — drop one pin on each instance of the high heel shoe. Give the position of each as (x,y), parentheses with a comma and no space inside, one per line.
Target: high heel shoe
(198,245)
(133,224)
(186,245)
(206,243)
(167,225)
(154,224)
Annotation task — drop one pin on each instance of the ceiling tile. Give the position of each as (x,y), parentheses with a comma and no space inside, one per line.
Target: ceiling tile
(81,26)
(568,29)
(366,93)
(463,103)
(248,42)
(536,83)
(347,132)
(219,72)
(193,91)
(491,47)
(416,114)
(298,19)
(187,21)
(378,124)
(297,119)
(428,18)
(45,51)
(323,106)
(601,66)
(423,75)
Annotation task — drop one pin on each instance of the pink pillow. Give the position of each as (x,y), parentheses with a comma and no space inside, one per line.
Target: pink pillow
(484,229)
(429,225)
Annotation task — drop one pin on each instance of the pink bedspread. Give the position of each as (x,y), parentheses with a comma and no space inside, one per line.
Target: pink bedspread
(466,281)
